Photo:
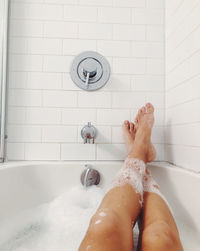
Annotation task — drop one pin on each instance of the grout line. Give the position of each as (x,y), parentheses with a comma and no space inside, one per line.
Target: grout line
(183,61)
(182,103)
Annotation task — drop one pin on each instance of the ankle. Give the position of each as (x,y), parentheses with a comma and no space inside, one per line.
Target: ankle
(141,155)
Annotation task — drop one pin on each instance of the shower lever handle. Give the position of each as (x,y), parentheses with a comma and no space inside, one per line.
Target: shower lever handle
(87,79)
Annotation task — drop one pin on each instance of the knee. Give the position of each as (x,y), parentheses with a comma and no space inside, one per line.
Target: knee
(159,236)
(104,227)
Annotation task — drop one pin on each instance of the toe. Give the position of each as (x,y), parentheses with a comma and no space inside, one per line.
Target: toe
(143,110)
(149,108)
(136,119)
(139,113)
(131,127)
(126,125)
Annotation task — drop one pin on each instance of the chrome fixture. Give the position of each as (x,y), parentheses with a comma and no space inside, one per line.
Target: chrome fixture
(3,72)
(90,71)
(88,133)
(90,176)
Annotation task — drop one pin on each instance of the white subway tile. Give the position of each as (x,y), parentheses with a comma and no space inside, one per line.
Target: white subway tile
(148,49)
(25,97)
(129,65)
(68,84)
(16,115)
(117,134)
(182,113)
(118,83)
(133,114)
(57,63)
(73,2)
(94,100)
(156,4)
(59,98)
(114,48)
(80,14)
(95,31)
(45,46)
(76,46)
(15,151)
(148,16)
(44,116)
(128,99)
(28,1)
(111,152)
(184,156)
(178,135)
(36,11)
(157,99)
(26,63)
(139,16)
(129,32)
(114,15)
(155,66)
(176,55)
(78,151)
(78,116)
(158,135)
(26,28)
(21,133)
(18,80)
(129,3)
(159,116)
(59,134)
(35,80)
(112,116)
(148,83)
(185,92)
(60,30)
(44,80)
(184,71)
(160,154)
(96,2)
(18,45)
(103,134)
(155,33)
(42,151)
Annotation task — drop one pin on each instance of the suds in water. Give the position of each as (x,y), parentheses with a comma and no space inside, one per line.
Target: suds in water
(59,225)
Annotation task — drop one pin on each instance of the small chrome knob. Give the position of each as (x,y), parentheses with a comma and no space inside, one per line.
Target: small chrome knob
(88,133)
(90,177)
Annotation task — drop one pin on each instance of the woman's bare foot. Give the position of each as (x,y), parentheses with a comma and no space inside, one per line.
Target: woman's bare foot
(152,150)
(144,118)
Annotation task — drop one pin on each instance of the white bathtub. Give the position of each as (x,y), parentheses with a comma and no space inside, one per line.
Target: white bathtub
(25,185)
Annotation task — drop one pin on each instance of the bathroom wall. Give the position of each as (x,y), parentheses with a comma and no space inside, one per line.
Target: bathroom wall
(183,83)
(46,111)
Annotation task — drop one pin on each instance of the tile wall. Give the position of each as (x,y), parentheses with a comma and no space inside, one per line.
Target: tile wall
(183,83)
(46,111)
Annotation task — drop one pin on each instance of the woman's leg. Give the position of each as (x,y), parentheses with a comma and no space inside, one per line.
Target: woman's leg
(158,228)
(111,228)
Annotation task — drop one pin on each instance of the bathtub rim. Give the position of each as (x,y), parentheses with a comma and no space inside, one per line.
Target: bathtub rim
(161,164)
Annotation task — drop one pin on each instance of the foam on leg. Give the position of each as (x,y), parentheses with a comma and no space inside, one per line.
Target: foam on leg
(132,173)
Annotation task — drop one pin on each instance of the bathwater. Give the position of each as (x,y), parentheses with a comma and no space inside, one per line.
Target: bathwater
(57,226)
(61,224)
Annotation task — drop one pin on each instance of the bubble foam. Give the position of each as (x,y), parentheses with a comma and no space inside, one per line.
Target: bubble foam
(58,225)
